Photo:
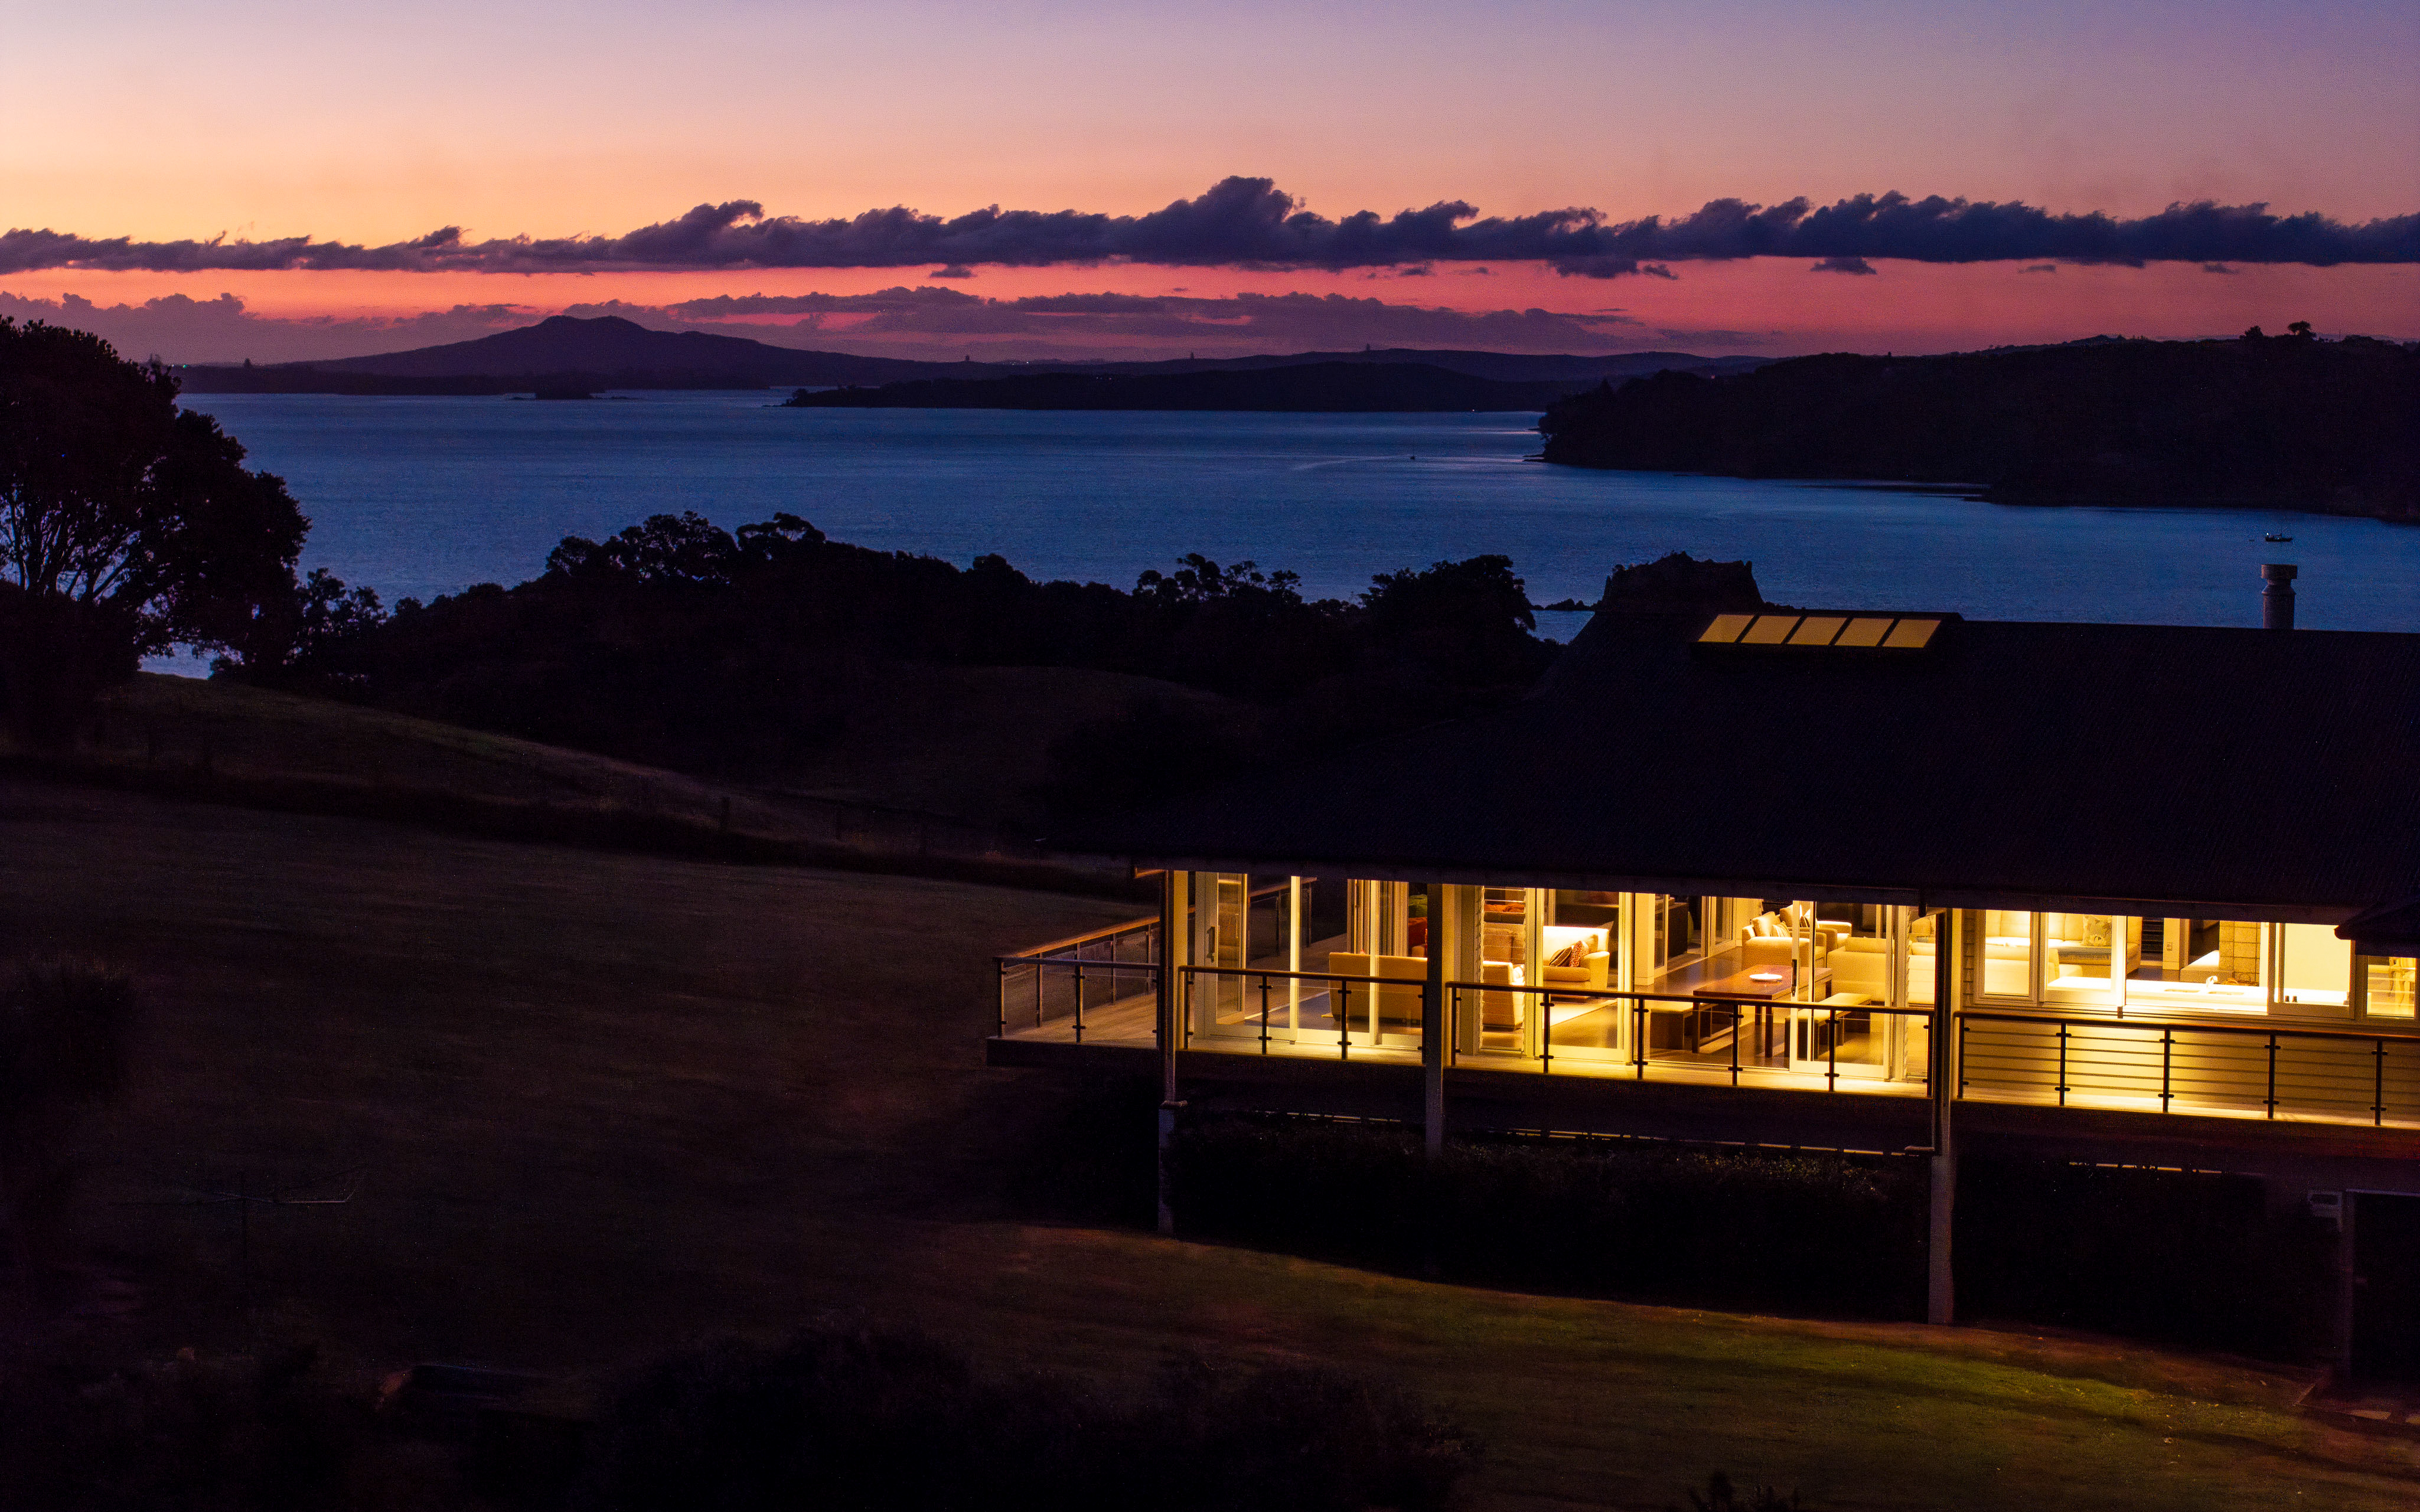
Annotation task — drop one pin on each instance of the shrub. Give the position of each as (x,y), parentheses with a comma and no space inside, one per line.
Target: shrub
(1825,1233)
(1722,1496)
(239,1433)
(2189,1257)
(856,1418)
(64,1027)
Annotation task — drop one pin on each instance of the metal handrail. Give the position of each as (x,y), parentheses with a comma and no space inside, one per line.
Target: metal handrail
(2194,1026)
(1342,980)
(1001,966)
(2271,1037)
(1073,961)
(1149,921)
(1640,1003)
(1639,1008)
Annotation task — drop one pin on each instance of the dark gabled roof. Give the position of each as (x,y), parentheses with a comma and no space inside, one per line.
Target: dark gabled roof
(2271,772)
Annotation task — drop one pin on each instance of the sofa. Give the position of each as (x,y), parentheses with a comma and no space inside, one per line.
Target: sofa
(1861,964)
(1580,967)
(1400,978)
(1788,928)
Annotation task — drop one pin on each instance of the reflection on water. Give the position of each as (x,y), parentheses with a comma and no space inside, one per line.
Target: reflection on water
(421,496)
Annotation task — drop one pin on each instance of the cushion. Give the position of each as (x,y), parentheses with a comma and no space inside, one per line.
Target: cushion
(1560,958)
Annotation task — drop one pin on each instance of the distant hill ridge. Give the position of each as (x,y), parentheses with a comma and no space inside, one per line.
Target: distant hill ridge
(1299,388)
(607,351)
(2278,421)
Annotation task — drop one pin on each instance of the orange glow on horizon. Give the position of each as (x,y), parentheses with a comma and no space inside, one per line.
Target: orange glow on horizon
(1764,306)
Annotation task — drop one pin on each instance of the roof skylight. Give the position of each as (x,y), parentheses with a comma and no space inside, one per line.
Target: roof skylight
(1888,632)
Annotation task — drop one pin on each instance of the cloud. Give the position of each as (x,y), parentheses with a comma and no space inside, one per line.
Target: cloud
(2216,267)
(954,271)
(221,330)
(904,320)
(2039,268)
(1249,223)
(1843,265)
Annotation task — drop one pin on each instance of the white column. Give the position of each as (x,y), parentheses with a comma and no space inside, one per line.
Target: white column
(1293,956)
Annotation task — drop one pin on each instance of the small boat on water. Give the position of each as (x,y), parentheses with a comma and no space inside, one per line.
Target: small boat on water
(2272,535)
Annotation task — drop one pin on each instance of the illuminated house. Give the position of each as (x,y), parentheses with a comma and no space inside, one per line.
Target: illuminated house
(1877,881)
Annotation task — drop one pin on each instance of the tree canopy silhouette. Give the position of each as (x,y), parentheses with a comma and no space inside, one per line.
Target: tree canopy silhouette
(679,643)
(2286,421)
(127,526)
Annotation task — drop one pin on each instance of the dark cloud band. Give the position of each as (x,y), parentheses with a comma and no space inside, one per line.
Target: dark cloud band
(1249,223)
(894,321)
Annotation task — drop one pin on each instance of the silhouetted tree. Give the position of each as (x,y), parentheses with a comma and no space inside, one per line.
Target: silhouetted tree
(2282,422)
(127,526)
(1464,623)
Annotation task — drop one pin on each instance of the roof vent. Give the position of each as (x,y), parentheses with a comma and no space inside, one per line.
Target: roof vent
(1825,631)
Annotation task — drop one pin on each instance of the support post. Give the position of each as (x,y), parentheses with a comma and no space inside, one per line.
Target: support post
(1941,1291)
(1432,1022)
(1172,952)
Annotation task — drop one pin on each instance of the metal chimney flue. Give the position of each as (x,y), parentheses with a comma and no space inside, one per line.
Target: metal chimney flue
(2277,595)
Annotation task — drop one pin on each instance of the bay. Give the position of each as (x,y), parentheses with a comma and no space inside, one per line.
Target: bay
(419,496)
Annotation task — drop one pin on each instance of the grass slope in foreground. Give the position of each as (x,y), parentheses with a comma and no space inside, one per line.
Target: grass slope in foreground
(606,1102)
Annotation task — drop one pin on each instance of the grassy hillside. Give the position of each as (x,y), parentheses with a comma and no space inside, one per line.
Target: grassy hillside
(602,1101)
(963,742)
(937,772)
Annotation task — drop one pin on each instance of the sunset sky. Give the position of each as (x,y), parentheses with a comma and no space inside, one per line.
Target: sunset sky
(373,127)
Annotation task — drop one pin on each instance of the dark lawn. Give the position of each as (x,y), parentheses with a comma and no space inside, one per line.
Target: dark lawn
(604,1102)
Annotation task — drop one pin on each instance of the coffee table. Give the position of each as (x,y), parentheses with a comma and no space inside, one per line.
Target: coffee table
(1708,1028)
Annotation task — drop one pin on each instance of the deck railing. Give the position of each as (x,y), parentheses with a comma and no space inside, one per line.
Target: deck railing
(1066,979)
(1712,1033)
(1258,1011)
(2341,1075)
(2267,1071)
(1347,996)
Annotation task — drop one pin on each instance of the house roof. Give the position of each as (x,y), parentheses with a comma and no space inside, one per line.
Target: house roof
(2388,929)
(2264,774)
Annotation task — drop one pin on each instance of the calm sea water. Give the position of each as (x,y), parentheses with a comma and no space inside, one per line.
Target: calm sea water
(423,495)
